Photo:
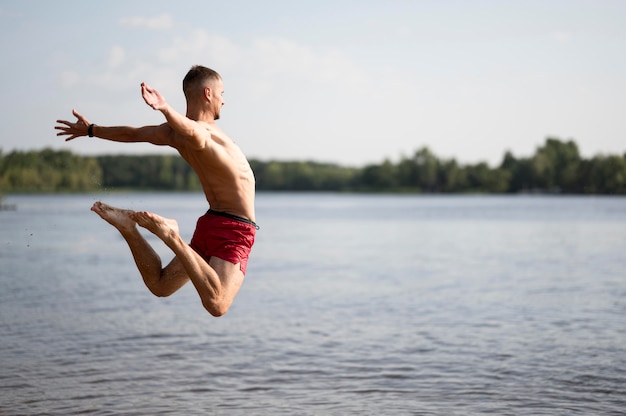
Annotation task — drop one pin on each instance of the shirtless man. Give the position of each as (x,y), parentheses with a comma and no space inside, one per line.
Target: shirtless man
(215,261)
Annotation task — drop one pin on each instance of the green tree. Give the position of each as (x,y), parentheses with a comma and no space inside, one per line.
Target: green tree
(426,170)
(606,175)
(555,164)
(379,177)
(48,171)
(453,177)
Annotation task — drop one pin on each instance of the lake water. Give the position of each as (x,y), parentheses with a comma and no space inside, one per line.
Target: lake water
(352,304)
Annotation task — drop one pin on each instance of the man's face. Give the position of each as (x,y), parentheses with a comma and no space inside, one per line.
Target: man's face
(217,98)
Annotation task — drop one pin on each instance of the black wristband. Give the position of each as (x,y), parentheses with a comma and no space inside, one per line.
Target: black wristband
(90,130)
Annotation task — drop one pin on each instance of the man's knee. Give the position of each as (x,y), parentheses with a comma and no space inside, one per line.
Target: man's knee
(216,308)
(160,292)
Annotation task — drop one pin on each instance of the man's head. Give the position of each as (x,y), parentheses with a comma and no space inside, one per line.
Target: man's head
(202,84)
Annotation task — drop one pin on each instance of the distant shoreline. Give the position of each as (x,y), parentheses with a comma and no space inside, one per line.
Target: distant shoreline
(555,168)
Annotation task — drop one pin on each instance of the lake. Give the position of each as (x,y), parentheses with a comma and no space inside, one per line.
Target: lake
(352,304)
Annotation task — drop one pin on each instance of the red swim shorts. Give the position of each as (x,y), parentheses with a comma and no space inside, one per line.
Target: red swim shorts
(225,236)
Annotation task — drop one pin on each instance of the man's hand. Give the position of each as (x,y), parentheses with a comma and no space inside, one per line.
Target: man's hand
(73,130)
(152,97)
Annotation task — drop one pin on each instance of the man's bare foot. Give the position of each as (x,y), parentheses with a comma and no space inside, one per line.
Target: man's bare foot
(164,228)
(119,218)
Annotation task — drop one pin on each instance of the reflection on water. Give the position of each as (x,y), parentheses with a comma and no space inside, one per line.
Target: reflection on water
(352,304)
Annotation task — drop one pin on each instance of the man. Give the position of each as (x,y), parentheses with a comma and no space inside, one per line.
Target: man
(215,261)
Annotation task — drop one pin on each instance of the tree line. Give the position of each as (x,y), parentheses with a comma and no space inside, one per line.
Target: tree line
(556,167)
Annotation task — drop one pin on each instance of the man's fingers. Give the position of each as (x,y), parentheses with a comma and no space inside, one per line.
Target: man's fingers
(67,128)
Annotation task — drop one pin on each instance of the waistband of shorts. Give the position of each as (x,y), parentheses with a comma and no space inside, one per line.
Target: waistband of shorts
(232,217)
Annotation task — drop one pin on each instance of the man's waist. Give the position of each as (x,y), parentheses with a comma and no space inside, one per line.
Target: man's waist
(232,217)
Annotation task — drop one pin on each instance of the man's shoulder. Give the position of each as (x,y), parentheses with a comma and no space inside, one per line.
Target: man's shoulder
(194,139)
(218,136)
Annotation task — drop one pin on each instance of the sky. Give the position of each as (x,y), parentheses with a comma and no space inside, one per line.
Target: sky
(344,81)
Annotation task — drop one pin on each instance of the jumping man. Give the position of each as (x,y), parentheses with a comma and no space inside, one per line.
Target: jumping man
(215,261)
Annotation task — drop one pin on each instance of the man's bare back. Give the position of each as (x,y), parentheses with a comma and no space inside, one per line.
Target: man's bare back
(216,260)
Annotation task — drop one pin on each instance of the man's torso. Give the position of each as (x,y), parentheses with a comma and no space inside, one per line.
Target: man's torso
(223,170)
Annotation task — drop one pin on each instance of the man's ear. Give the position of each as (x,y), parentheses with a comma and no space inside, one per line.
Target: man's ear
(207,93)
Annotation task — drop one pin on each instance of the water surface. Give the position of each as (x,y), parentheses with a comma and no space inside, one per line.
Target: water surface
(353,304)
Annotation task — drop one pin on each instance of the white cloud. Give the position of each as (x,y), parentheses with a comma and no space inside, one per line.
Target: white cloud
(69,78)
(203,48)
(288,59)
(160,22)
(116,56)
(265,64)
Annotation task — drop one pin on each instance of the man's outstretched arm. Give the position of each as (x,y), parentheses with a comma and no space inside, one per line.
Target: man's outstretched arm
(159,135)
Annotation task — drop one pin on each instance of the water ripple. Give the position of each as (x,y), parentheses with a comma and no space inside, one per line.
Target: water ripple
(510,315)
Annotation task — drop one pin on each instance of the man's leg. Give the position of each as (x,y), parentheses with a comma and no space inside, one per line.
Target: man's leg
(217,283)
(161,282)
